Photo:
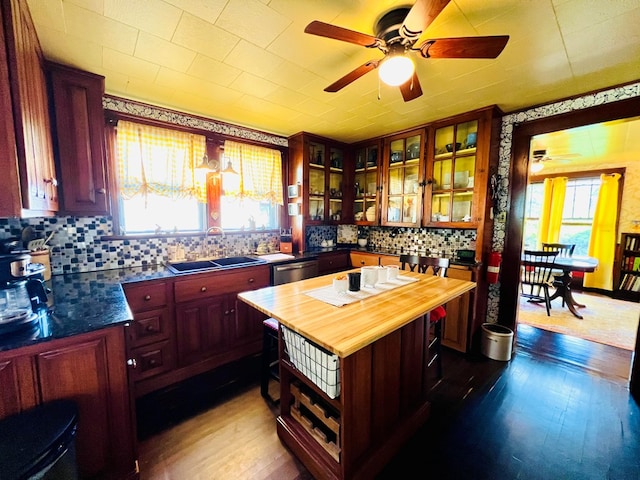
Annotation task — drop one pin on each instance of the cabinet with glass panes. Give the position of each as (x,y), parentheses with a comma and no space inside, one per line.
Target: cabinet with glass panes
(452,174)
(402,185)
(326,172)
(365,184)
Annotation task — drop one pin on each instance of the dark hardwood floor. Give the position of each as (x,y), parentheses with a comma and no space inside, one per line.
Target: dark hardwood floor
(539,416)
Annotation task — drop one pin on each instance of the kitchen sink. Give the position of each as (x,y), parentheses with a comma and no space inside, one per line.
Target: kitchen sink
(212,264)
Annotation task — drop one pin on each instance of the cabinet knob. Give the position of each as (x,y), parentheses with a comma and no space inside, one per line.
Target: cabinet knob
(147,298)
(251,280)
(232,310)
(101,191)
(150,328)
(203,289)
(226,312)
(361,262)
(132,363)
(152,362)
(52,181)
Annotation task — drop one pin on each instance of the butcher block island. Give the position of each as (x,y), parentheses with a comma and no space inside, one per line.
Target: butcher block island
(353,378)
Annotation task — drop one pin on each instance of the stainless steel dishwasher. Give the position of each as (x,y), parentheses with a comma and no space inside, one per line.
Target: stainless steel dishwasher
(293,271)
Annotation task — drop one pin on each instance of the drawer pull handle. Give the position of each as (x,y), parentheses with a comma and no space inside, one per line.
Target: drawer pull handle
(132,363)
(150,328)
(232,310)
(203,289)
(152,362)
(251,280)
(147,298)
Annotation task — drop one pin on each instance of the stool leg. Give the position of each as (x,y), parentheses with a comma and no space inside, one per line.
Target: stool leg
(265,361)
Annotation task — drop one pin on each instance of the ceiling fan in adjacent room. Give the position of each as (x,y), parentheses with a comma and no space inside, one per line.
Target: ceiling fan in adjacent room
(396,34)
(539,156)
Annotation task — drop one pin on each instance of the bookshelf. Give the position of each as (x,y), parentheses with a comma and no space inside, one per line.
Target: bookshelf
(629,277)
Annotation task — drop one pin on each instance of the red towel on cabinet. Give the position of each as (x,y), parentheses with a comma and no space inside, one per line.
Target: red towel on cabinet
(437,313)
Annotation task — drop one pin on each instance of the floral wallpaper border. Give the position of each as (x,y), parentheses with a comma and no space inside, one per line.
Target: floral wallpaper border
(177,118)
(506,137)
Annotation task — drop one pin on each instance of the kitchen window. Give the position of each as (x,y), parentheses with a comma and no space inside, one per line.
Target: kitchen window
(161,188)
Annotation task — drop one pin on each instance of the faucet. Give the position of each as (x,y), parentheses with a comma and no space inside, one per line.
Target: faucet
(206,234)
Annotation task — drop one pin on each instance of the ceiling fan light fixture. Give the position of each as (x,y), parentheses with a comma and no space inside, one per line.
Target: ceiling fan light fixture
(396,70)
(536,166)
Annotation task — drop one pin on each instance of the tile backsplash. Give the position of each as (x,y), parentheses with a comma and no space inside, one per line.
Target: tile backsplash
(77,244)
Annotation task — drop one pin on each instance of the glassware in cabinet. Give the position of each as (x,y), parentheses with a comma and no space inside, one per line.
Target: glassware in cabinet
(365,206)
(402,168)
(452,173)
(336,182)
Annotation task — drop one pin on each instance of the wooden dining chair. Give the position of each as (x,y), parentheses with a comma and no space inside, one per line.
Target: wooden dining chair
(537,268)
(564,250)
(437,266)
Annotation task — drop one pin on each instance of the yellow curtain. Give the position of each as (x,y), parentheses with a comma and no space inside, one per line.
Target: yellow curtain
(260,171)
(552,210)
(160,161)
(602,243)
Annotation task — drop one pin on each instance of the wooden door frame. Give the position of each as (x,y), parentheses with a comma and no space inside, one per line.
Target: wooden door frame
(518,179)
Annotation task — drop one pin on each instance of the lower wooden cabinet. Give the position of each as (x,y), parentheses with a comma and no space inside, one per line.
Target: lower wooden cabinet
(455,332)
(89,369)
(366,259)
(332,262)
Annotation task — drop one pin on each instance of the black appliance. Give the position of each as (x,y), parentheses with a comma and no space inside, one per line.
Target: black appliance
(466,256)
(22,290)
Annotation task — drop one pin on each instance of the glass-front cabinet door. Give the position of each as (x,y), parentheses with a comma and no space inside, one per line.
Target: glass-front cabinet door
(452,174)
(402,189)
(326,177)
(317,181)
(365,186)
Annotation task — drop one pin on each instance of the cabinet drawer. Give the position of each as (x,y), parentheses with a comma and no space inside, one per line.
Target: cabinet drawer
(460,273)
(359,259)
(150,326)
(146,296)
(208,285)
(152,359)
(389,260)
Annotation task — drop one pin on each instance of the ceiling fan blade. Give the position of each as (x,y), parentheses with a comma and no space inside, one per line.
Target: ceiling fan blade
(352,76)
(464,47)
(338,33)
(411,89)
(421,15)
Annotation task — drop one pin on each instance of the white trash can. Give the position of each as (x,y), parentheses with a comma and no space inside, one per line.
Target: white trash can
(497,341)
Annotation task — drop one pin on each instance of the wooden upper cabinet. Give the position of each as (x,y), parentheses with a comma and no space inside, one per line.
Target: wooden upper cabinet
(403,167)
(32,144)
(79,127)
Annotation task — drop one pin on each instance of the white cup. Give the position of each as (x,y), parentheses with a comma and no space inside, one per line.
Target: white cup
(369,276)
(340,285)
(392,271)
(383,275)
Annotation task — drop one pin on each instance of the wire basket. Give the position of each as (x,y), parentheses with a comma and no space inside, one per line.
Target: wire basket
(314,362)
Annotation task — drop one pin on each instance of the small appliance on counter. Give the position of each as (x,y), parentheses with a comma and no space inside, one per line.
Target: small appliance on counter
(466,256)
(22,290)
(286,243)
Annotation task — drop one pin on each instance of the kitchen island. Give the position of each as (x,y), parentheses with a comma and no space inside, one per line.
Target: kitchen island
(380,345)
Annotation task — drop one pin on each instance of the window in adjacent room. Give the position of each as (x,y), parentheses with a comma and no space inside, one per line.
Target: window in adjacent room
(579,207)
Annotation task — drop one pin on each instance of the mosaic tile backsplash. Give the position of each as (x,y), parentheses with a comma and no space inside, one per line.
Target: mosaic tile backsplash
(77,246)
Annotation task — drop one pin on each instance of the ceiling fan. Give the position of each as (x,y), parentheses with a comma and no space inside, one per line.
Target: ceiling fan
(539,156)
(396,34)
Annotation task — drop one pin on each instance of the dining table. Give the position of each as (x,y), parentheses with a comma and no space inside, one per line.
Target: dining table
(354,366)
(562,283)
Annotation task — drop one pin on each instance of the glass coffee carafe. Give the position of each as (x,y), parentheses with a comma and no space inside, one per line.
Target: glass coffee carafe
(15,304)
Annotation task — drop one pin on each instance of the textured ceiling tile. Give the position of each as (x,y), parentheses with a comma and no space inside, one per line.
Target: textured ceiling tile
(252,59)
(96,6)
(48,14)
(129,65)
(213,70)
(204,37)
(290,75)
(253,85)
(103,30)
(208,10)
(72,51)
(253,21)
(151,16)
(161,52)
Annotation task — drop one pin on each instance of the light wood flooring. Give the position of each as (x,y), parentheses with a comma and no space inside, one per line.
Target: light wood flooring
(539,416)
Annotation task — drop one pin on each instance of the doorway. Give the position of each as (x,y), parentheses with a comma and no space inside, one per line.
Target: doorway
(518,177)
(581,154)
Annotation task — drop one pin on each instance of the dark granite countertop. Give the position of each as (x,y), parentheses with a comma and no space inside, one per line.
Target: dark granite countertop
(84,302)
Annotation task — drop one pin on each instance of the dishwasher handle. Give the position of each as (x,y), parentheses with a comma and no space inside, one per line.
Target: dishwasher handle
(294,266)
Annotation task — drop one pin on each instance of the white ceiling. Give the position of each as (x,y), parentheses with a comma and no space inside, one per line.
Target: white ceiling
(249,62)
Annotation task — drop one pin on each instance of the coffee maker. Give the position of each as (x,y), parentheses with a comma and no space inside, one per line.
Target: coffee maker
(22,290)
